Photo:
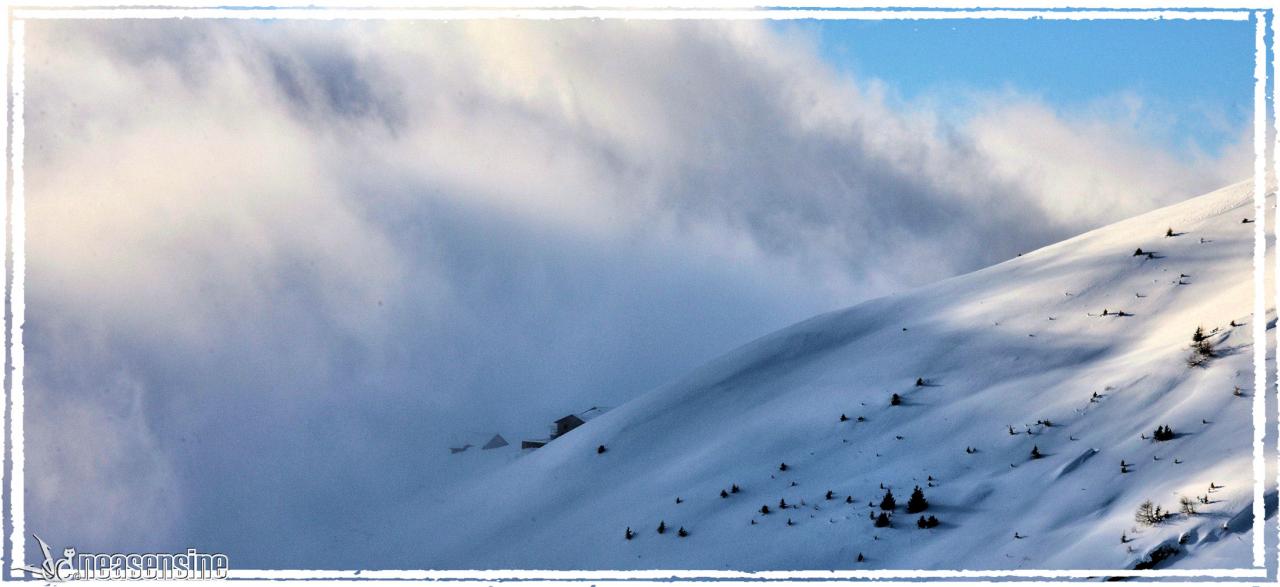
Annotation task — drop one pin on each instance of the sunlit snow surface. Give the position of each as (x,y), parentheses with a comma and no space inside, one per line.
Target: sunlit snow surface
(1004,347)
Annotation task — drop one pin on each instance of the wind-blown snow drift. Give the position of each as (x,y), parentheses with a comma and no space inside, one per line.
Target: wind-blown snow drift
(1000,350)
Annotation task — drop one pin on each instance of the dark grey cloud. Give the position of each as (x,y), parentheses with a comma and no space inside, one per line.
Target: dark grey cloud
(277,267)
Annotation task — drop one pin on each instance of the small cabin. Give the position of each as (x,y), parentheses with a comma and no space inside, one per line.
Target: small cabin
(566,424)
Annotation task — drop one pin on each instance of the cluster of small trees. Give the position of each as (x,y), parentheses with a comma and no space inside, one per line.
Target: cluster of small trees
(662,529)
(1163,433)
(1201,349)
(1150,514)
(915,504)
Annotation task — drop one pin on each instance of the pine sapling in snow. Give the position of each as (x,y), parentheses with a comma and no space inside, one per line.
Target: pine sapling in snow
(917,503)
(1201,349)
(888,502)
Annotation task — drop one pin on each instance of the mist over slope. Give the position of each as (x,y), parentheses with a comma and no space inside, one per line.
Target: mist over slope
(1011,358)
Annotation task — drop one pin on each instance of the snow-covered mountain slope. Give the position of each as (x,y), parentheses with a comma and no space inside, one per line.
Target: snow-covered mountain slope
(1003,349)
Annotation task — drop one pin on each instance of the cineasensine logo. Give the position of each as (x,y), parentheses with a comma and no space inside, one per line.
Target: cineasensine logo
(127,566)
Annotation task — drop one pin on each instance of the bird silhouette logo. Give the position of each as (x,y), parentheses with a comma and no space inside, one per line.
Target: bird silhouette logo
(51,570)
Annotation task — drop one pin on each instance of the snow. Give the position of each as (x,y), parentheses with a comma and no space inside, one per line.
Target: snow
(1008,346)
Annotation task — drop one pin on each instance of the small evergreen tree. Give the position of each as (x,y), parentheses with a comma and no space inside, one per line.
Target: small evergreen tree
(782,504)
(829,494)
(922,523)
(848,499)
(1202,349)
(723,494)
(764,510)
(734,488)
(1138,252)
(600,449)
(896,400)
(932,522)
(1188,506)
(629,533)
(662,527)
(782,467)
(679,501)
(682,532)
(1169,232)
(919,381)
(917,503)
(888,502)
(883,520)
(861,558)
(790,523)
(844,418)
(1035,452)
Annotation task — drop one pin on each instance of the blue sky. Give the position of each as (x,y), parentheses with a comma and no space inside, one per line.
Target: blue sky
(1195,76)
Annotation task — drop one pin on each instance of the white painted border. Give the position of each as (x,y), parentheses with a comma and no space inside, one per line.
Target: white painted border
(4,255)
(595,13)
(687,575)
(1259,284)
(18,227)
(1275,169)
(17,299)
